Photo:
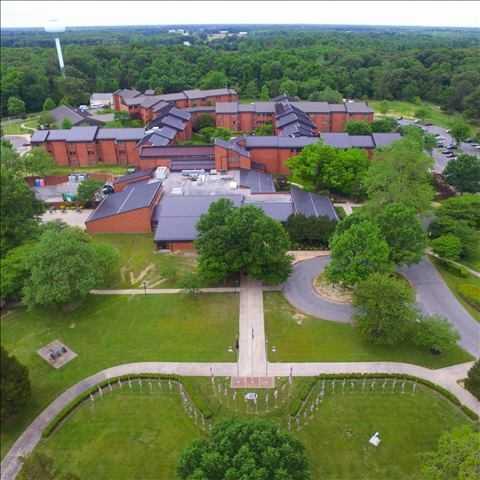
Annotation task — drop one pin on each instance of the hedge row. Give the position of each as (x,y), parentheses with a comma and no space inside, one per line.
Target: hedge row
(448,395)
(471,294)
(453,268)
(85,395)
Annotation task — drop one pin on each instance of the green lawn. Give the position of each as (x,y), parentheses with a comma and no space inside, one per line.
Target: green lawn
(300,338)
(453,282)
(133,433)
(111,330)
(108,169)
(15,127)
(407,109)
(137,252)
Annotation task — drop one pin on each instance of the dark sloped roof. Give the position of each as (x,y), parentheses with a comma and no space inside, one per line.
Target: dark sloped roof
(382,139)
(338,140)
(177,215)
(177,151)
(82,134)
(226,107)
(257,182)
(197,94)
(62,111)
(57,135)
(361,141)
(127,92)
(312,205)
(135,176)
(277,210)
(176,112)
(206,163)
(252,141)
(358,107)
(120,133)
(138,195)
(173,122)
(39,136)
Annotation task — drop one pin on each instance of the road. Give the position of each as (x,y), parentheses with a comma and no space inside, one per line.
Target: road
(433,297)
(300,293)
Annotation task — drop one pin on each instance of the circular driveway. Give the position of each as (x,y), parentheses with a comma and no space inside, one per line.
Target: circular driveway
(300,293)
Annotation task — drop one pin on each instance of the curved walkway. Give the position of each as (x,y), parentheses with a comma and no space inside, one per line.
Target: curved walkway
(299,291)
(445,377)
(433,297)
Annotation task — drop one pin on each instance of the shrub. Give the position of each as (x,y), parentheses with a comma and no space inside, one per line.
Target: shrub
(447,246)
(471,294)
(452,268)
(435,333)
(472,383)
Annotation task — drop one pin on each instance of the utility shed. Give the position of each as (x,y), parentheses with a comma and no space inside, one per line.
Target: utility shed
(128,211)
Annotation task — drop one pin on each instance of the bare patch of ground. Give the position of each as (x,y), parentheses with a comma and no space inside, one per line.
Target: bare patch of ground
(332,292)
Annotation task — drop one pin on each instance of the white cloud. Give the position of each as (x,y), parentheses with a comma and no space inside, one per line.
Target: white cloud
(96,13)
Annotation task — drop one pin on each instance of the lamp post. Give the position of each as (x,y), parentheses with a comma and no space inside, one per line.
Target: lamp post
(266,357)
(145,287)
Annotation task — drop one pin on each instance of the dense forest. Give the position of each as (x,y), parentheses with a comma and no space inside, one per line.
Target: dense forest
(441,66)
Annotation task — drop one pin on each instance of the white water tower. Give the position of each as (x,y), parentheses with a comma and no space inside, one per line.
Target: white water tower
(54,26)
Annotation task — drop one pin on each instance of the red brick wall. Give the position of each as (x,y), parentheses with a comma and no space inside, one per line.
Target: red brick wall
(321,121)
(116,102)
(176,246)
(135,221)
(107,152)
(59,152)
(155,162)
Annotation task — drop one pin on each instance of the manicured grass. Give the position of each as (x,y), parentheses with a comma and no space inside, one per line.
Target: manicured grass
(407,109)
(137,252)
(108,169)
(454,282)
(409,425)
(303,339)
(133,433)
(111,330)
(15,127)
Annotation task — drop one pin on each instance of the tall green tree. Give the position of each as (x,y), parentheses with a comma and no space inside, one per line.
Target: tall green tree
(384,311)
(38,162)
(403,232)
(435,333)
(48,104)
(400,173)
(15,106)
(358,127)
(319,167)
(20,211)
(214,79)
(464,173)
(264,93)
(472,383)
(245,449)
(87,190)
(241,240)
(15,387)
(358,252)
(456,457)
(460,131)
(64,267)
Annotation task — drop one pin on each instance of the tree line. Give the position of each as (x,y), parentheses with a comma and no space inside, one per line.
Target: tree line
(315,65)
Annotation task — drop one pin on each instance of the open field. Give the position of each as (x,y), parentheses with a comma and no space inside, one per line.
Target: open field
(141,433)
(300,338)
(112,330)
(137,253)
(454,282)
(435,115)
(14,127)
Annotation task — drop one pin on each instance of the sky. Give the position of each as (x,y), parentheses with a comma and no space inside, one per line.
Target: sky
(105,13)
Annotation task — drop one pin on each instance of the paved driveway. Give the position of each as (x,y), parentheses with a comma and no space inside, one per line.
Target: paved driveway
(433,296)
(300,293)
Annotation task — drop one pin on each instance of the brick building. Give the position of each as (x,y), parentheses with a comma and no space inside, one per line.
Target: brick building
(326,117)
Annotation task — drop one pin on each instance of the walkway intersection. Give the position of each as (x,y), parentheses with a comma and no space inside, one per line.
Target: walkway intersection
(252,370)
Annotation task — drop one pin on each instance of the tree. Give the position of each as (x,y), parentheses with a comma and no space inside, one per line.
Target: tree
(447,246)
(107,263)
(403,232)
(245,449)
(463,208)
(48,104)
(241,240)
(46,120)
(326,95)
(464,173)
(251,90)
(460,131)
(15,106)
(384,311)
(456,457)
(264,93)
(422,113)
(15,271)
(320,166)
(87,190)
(14,386)
(38,161)
(358,127)
(211,133)
(472,383)
(309,231)
(20,211)
(435,333)
(214,79)
(266,129)
(384,125)
(203,121)
(288,87)
(67,123)
(358,252)
(64,267)
(400,173)
(191,283)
